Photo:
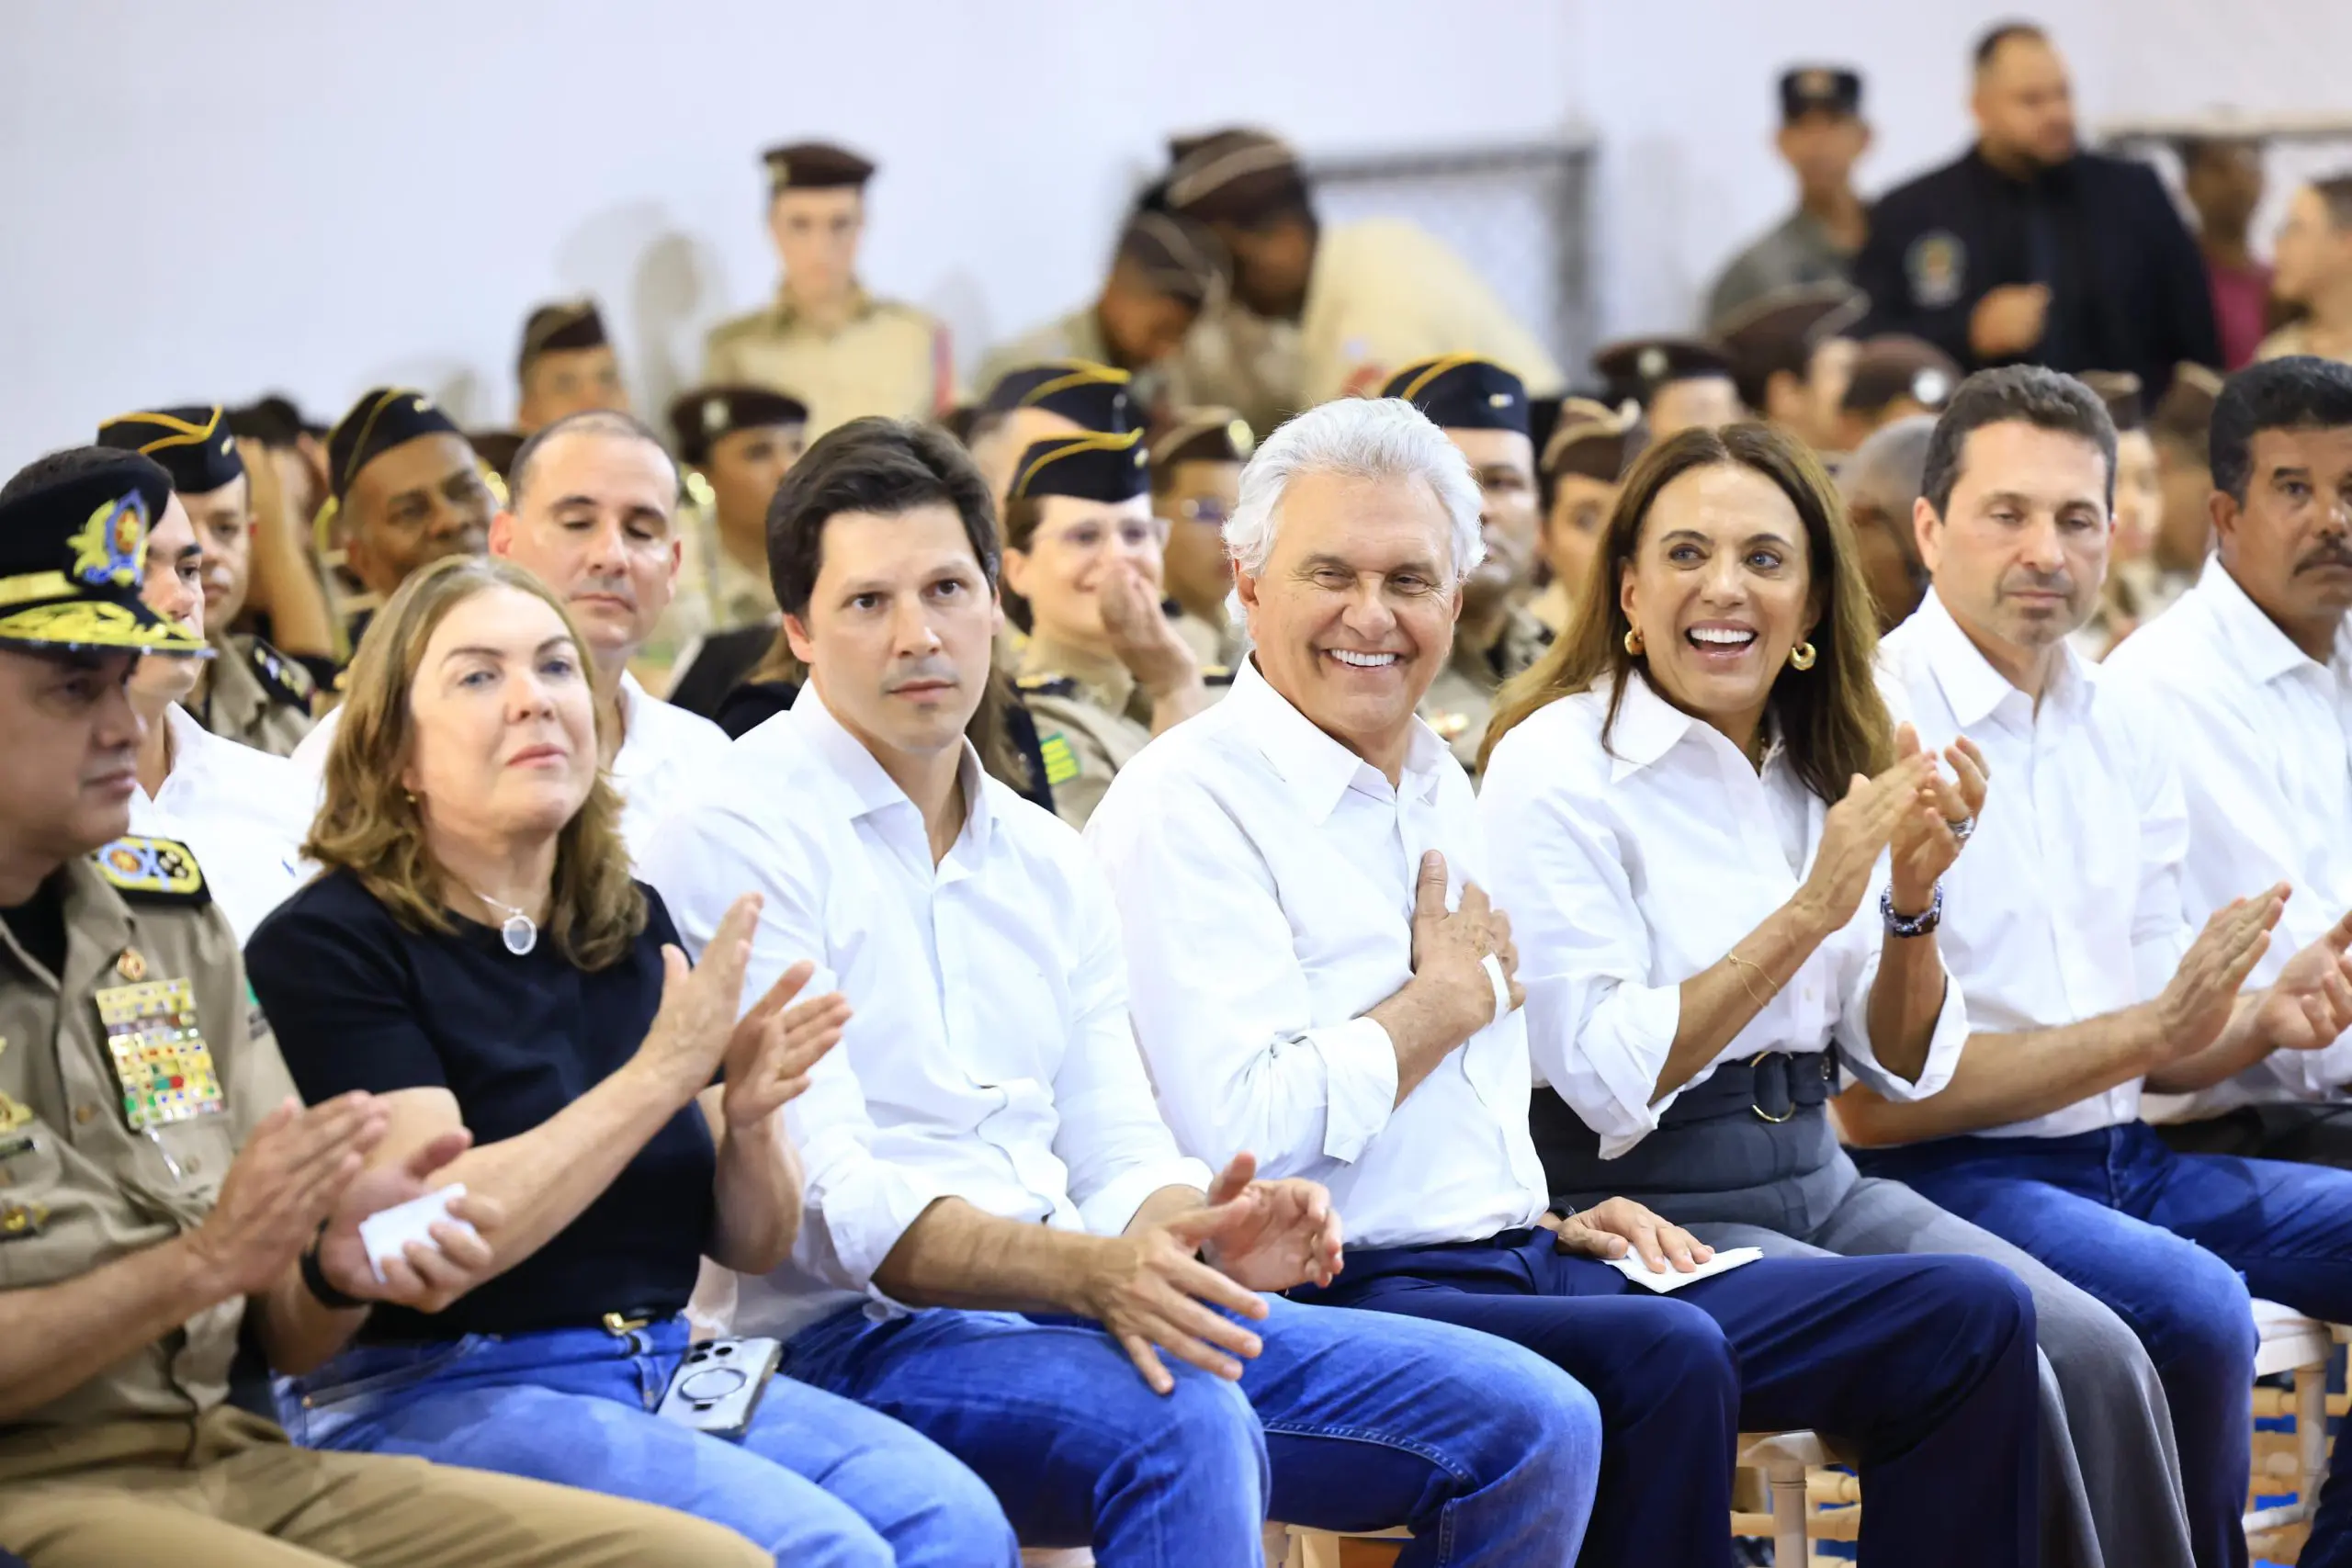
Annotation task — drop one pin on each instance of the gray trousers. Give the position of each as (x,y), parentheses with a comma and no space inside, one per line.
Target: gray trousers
(2111,1478)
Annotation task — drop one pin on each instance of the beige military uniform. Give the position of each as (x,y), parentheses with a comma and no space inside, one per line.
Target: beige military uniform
(1213,650)
(1462,698)
(1091,719)
(145,1462)
(716,593)
(1552,608)
(887,358)
(258,696)
(1078,335)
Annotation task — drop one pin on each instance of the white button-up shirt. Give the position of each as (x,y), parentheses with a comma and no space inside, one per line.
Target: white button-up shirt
(2264,742)
(244,813)
(1630,866)
(2067,904)
(990,1058)
(664,754)
(1265,877)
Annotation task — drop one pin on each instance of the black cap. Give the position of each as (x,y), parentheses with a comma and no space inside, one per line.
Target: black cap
(561,328)
(1637,367)
(1204,435)
(1178,258)
(74,553)
(195,446)
(814,165)
(1819,89)
(2120,390)
(1462,391)
(1232,176)
(497,448)
(705,414)
(1896,366)
(379,420)
(1095,396)
(1593,440)
(1092,467)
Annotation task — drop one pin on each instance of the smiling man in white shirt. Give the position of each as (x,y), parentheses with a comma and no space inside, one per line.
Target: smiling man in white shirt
(1319,979)
(983,1145)
(593,511)
(2064,931)
(2252,669)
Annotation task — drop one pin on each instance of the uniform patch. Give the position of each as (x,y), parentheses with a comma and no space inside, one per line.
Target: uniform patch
(155,869)
(281,677)
(1937,265)
(1061,763)
(162,1064)
(1048,685)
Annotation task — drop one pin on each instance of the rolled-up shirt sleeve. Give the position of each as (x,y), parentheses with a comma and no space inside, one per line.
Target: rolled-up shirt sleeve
(855,1207)
(1862,945)
(1117,1149)
(1222,1007)
(1598,1029)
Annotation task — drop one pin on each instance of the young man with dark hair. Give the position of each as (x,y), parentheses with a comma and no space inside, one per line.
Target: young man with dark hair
(566,366)
(983,1143)
(1823,135)
(2086,983)
(2028,248)
(1164,271)
(2252,670)
(2314,269)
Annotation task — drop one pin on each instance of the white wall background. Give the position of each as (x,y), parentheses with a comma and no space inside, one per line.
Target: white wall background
(207,200)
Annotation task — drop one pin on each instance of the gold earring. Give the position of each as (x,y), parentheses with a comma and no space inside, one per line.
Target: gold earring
(1802,655)
(1634,642)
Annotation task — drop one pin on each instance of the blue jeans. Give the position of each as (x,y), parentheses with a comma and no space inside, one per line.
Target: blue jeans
(1346,1421)
(2172,1242)
(817,1481)
(1925,1366)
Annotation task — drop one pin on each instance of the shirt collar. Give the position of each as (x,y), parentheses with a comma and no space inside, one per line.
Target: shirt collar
(2263,653)
(1972,687)
(1319,770)
(858,783)
(1647,728)
(787,314)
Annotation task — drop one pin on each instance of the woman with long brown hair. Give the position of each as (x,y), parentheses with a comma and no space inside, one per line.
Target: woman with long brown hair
(477,956)
(1722,861)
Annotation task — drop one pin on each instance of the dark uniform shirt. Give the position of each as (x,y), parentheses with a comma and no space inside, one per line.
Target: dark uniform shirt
(134,1065)
(365,1003)
(2128,290)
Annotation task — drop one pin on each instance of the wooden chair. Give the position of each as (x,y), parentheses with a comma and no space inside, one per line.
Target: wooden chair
(2289,1343)
(1277,1551)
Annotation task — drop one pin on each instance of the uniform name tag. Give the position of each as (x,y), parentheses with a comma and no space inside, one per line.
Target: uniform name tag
(161,1062)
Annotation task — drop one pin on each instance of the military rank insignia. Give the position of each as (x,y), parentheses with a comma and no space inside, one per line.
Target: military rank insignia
(161,1062)
(1061,761)
(155,868)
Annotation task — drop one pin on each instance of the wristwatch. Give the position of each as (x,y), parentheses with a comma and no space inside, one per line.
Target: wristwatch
(1911,925)
(314,1279)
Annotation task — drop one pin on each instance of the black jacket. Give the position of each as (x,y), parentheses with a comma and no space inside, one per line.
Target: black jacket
(2128,287)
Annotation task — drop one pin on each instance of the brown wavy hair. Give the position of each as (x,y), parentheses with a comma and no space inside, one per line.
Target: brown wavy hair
(372,827)
(1831,717)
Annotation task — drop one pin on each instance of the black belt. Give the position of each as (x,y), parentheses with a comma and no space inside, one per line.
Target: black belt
(1773,1085)
(1749,1122)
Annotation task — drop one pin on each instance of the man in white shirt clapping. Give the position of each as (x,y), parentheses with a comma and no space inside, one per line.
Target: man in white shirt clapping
(2252,670)
(1319,980)
(2064,927)
(1002,1244)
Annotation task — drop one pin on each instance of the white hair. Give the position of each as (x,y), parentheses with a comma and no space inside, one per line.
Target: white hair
(1384,438)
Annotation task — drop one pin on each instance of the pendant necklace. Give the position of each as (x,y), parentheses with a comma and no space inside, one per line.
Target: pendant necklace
(519,932)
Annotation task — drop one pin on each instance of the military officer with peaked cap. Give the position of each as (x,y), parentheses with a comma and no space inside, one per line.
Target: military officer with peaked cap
(405,488)
(252,693)
(1682,383)
(159,1186)
(825,339)
(1822,137)
(738,443)
(566,366)
(1027,403)
(1481,408)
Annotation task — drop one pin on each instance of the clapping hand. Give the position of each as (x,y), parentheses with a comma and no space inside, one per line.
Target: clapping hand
(2309,1004)
(775,1046)
(1927,840)
(1272,1234)
(426,1279)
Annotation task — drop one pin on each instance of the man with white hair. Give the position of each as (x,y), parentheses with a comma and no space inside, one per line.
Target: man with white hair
(592,510)
(1312,845)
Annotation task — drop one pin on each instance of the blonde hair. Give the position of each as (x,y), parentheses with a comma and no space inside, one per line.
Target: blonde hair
(371,826)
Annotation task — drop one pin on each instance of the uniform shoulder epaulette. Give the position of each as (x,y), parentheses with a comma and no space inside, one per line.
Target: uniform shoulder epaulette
(155,871)
(1047,685)
(1216,675)
(281,676)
